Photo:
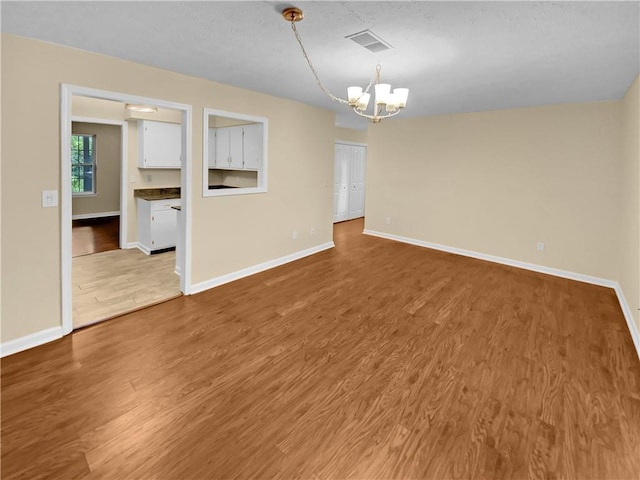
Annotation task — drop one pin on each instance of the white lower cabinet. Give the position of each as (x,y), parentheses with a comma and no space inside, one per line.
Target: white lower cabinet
(157,224)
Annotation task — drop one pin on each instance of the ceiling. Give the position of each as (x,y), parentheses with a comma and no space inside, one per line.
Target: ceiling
(454,56)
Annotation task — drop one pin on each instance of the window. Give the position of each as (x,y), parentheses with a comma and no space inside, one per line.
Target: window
(83,164)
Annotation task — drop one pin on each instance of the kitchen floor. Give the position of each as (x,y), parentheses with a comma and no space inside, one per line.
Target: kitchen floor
(112,283)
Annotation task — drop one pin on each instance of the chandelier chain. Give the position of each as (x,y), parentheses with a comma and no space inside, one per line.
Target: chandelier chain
(315,74)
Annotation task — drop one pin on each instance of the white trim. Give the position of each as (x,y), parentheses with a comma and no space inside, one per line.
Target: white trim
(245,272)
(66,93)
(65,210)
(356,144)
(102,121)
(262,171)
(141,247)
(626,310)
(30,341)
(86,216)
(603,282)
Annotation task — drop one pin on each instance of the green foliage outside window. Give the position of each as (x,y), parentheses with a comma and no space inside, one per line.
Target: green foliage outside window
(83,164)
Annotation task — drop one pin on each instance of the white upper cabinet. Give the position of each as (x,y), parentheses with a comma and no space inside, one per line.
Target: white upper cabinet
(252,146)
(159,144)
(212,142)
(235,148)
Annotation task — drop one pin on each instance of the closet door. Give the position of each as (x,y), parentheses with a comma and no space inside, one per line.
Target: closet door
(341,183)
(358,159)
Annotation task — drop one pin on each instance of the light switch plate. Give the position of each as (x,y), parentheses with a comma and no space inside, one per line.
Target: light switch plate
(49,198)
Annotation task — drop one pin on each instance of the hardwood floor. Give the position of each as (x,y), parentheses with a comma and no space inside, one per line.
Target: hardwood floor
(111,283)
(372,360)
(95,235)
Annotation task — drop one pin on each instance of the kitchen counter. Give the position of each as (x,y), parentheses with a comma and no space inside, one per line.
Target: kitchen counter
(218,187)
(157,193)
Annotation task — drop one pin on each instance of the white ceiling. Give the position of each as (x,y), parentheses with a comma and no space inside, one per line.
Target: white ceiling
(454,56)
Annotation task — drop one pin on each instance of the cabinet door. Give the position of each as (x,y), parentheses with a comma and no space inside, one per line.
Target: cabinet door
(164,228)
(341,183)
(357,164)
(252,146)
(211,161)
(235,148)
(161,145)
(222,147)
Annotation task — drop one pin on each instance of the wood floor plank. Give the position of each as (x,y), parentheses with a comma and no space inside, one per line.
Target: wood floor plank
(373,360)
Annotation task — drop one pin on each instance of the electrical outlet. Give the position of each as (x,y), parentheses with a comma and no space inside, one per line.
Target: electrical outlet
(294,235)
(149,178)
(387,220)
(312,232)
(540,246)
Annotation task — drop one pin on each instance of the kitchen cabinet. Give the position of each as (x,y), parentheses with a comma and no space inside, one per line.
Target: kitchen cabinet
(252,146)
(349,181)
(157,224)
(228,148)
(159,144)
(235,148)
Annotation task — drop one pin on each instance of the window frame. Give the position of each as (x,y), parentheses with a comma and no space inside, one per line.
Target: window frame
(261,186)
(93,164)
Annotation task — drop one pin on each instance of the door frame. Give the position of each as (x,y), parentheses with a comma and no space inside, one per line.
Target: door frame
(356,144)
(66,93)
(124,141)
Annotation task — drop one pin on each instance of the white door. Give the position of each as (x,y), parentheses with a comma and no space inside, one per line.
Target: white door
(357,166)
(341,183)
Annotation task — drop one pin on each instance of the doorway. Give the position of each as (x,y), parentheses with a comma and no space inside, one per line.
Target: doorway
(66,199)
(349,169)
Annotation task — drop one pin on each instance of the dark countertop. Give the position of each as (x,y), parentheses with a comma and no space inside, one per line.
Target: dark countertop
(218,187)
(157,193)
(177,207)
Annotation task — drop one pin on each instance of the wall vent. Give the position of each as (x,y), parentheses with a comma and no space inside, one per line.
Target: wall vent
(370,41)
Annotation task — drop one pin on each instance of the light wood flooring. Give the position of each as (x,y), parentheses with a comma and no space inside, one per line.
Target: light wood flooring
(111,283)
(373,360)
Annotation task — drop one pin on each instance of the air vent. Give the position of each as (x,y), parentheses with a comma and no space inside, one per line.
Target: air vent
(369,40)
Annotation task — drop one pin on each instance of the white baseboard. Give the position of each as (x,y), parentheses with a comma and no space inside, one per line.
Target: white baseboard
(30,341)
(626,310)
(603,282)
(245,272)
(140,247)
(85,216)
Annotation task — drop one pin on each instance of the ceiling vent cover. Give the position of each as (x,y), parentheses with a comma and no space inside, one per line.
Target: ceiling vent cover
(370,41)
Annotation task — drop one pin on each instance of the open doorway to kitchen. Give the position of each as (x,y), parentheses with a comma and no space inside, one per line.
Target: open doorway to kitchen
(110,264)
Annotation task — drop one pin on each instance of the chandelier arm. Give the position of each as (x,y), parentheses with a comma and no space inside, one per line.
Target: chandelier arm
(313,70)
(375,117)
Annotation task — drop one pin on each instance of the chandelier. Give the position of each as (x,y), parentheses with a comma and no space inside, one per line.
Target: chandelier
(386,103)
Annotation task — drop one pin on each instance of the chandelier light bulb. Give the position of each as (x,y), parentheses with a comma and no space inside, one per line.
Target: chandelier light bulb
(363,101)
(382,92)
(353,94)
(402,94)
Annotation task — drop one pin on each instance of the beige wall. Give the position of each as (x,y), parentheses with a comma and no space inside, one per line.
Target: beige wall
(350,135)
(630,237)
(499,182)
(229,233)
(107,198)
